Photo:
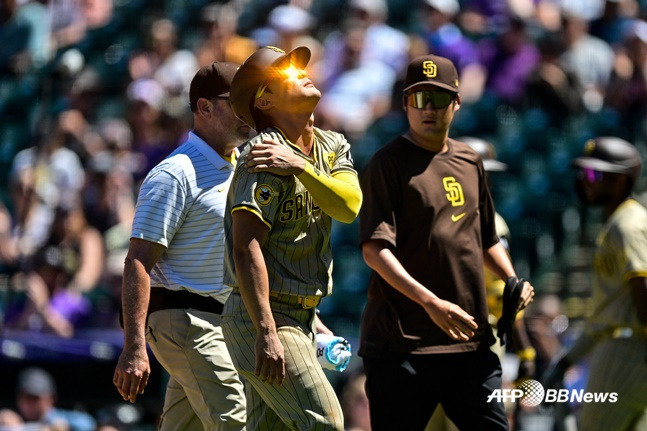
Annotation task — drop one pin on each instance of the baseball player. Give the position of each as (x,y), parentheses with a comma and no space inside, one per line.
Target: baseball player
(282,201)
(173,293)
(616,332)
(426,230)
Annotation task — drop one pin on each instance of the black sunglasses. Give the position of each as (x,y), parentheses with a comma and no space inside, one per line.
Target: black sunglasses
(438,99)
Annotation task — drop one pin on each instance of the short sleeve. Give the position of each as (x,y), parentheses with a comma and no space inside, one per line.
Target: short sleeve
(377,215)
(161,207)
(257,192)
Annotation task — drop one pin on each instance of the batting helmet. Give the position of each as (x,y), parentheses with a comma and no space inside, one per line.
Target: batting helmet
(611,154)
(266,63)
(487,152)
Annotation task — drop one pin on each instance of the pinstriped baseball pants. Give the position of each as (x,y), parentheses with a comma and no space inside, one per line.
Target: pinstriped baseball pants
(617,365)
(306,400)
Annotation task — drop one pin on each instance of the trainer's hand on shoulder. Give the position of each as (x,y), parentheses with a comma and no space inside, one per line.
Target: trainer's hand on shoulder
(270,358)
(132,372)
(274,157)
(452,319)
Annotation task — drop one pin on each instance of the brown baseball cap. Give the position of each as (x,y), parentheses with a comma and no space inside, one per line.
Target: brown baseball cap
(265,63)
(611,154)
(211,81)
(431,70)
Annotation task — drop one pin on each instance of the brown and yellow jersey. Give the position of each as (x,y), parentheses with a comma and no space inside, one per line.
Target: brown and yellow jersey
(297,252)
(436,213)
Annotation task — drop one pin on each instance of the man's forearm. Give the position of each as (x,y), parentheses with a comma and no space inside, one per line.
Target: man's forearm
(135,298)
(254,287)
(497,260)
(338,196)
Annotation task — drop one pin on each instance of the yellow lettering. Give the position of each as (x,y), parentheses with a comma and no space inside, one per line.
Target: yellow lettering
(454,191)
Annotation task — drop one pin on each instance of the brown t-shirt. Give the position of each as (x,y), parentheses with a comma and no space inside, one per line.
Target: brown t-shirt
(436,213)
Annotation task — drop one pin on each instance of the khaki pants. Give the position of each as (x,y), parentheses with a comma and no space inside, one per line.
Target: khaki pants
(204,391)
(306,399)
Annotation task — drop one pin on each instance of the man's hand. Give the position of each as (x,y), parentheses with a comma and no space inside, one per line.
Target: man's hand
(452,319)
(131,373)
(270,358)
(271,156)
(527,295)
(320,327)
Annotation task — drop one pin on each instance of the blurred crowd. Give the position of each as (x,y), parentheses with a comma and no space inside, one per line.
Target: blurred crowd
(93,93)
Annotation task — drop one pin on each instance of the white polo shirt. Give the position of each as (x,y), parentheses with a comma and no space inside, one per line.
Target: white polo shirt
(181,205)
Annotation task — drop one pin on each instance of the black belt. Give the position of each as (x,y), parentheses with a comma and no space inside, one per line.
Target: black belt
(165,299)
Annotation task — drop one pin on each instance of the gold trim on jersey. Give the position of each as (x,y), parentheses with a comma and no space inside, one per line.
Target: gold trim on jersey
(634,274)
(253,211)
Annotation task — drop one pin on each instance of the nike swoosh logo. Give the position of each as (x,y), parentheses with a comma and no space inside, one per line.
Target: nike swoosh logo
(456,218)
(221,189)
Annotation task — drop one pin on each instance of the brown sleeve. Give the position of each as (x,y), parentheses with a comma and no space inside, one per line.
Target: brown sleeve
(377,215)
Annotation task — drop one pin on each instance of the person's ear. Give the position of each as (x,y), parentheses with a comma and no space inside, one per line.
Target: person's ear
(262,103)
(204,107)
(457,102)
(404,102)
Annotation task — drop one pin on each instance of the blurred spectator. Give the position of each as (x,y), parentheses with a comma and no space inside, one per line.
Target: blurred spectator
(42,176)
(545,322)
(10,420)
(96,13)
(173,67)
(509,60)
(611,24)
(140,65)
(358,93)
(36,399)
(41,46)
(221,39)
(146,99)
(53,290)
(383,43)
(109,202)
(552,88)
(590,58)
(626,93)
(8,241)
(14,39)
(119,417)
(108,194)
(68,22)
(291,26)
(446,39)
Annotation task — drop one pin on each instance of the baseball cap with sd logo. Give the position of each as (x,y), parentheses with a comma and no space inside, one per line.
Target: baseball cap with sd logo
(431,70)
